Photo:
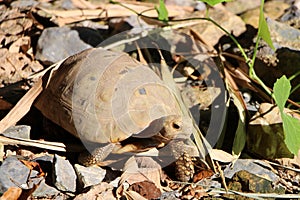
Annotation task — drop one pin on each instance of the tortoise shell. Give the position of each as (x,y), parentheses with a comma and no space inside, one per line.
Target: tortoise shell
(106,97)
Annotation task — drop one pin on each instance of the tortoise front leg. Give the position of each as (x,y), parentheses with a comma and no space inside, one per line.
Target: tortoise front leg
(181,152)
(97,156)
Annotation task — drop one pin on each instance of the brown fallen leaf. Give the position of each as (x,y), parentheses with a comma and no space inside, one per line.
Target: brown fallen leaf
(146,189)
(295,162)
(101,191)
(193,192)
(13,193)
(63,17)
(232,23)
(222,156)
(132,195)
(33,166)
(202,175)
(22,107)
(83,4)
(17,112)
(4,105)
(21,45)
(137,170)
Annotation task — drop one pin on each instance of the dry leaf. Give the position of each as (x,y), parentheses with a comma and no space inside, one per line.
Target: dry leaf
(294,162)
(62,17)
(240,136)
(33,166)
(139,169)
(222,156)
(83,4)
(202,175)
(132,195)
(232,23)
(4,105)
(21,45)
(22,107)
(98,192)
(13,193)
(146,189)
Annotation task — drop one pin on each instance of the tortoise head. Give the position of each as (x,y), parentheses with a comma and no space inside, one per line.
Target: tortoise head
(175,126)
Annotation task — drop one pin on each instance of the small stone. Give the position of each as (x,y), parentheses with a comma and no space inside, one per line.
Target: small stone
(172,195)
(24,4)
(255,184)
(64,175)
(57,43)
(13,174)
(19,131)
(45,191)
(254,166)
(67,4)
(88,176)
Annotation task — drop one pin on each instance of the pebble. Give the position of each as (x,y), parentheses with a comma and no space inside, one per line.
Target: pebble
(88,176)
(57,43)
(19,131)
(252,166)
(64,175)
(24,4)
(13,174)
(45,191)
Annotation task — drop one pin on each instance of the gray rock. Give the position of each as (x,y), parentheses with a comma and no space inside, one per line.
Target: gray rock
(19,131)
(13,174)
(283,35)
(252,166)
(67,4)
(201,6)
(64,175)
(57,43)
(45,191)
(88,176)
(24,4)
(172,195)
(44,158)
(181,3)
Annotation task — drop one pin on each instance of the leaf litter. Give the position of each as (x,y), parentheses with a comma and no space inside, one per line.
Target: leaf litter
(246,121)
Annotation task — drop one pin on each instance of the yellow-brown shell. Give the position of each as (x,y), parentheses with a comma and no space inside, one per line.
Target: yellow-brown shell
(103,96)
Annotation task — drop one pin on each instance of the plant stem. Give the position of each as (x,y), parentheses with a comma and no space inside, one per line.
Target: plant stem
(250,62)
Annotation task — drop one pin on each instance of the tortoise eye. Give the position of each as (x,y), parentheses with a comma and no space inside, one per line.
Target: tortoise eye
(176,126)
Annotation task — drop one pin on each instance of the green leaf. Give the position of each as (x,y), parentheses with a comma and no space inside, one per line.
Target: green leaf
(263,29)
(239,139)
(214,2)
(240,133)
(291,127)
(162,11)
(281,90)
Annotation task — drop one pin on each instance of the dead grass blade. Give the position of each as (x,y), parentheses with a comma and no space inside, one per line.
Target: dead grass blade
(63,17)
(201,143)
(240,135)
(56,146)
(22,107)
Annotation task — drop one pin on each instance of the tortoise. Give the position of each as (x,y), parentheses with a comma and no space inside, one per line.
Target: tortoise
(111,99)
